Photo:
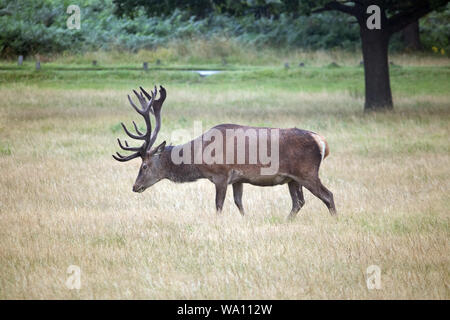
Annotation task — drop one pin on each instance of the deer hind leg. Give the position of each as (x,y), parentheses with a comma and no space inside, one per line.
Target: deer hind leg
(295,190)
(237,194)
(301,199)
(320,191)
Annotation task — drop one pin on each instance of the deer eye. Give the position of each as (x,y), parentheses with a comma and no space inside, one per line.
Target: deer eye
(144,166)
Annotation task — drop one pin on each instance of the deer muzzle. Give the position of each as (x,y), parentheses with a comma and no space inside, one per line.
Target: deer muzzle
(138,188)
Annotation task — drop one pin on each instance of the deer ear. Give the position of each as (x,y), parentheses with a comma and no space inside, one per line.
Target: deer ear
(159,149)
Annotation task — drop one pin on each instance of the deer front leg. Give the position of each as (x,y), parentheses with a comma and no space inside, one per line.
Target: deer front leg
(221,191)
(237,194)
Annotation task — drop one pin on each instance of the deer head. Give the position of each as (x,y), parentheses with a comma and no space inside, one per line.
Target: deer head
(150,171)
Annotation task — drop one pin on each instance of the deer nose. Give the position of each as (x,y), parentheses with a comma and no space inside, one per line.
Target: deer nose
(136,188)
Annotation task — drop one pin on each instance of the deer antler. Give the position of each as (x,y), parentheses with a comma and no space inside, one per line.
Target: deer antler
(156,110)
(152,106)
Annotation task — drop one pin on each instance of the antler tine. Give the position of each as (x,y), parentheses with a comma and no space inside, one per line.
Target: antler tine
(147,94)
(134,106)
(154,92)
(146,106)
(149,97)
(145,114)
(157,105)
(126,147)
(142,101)
(149,104)
(136,128)
(122,158)
(131,135)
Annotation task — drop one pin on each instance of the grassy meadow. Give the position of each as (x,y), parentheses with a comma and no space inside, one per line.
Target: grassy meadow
(64,200)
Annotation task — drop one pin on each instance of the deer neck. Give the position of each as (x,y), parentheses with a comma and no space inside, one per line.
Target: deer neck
(179,172)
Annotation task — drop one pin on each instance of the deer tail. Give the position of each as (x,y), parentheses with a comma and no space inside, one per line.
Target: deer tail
(322,143)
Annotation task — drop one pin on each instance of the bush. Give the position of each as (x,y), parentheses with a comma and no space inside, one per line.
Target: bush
(39,26)
(435,31)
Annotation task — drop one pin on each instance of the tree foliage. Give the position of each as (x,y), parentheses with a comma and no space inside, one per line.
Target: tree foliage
(265,8)
(39,26)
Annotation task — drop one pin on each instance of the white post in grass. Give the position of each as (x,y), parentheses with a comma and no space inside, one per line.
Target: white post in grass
(20,60)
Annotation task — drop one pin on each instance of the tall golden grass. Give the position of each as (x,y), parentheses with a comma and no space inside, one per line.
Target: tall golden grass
(65,201)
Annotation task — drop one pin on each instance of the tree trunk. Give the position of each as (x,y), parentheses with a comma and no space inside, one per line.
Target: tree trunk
(375,45)
(411,36)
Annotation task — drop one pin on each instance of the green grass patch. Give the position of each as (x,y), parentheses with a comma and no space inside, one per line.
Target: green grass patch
(5,149)
(405,80)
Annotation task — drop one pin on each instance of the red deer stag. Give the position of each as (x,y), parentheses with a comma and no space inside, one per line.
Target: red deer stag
(229,154)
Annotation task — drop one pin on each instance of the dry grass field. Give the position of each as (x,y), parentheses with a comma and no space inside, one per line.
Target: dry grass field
(64,200)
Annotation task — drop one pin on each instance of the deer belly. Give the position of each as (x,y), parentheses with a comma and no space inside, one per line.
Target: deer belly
(268,180)
(260,180)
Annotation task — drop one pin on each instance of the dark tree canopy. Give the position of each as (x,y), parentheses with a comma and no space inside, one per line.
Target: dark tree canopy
(396,15)
(202,8)
(393,15)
